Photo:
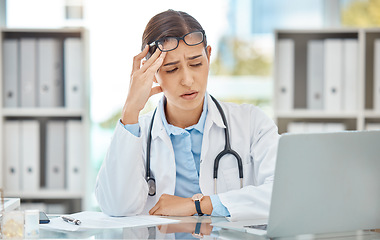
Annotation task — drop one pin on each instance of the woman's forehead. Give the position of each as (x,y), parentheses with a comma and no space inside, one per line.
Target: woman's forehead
(186,52)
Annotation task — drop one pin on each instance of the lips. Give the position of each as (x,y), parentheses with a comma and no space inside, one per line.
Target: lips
(189,95)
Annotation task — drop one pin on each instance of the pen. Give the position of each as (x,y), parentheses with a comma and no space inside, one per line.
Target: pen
(71,220)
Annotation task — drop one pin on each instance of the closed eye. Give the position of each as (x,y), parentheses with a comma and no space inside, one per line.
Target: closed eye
(172,70)
(196,65)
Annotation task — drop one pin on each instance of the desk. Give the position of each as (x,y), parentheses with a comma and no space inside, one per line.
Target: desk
(184,230)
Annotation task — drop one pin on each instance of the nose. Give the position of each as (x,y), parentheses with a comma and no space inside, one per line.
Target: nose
(187,78)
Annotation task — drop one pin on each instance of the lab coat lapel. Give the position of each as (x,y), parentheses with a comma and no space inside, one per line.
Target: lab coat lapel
(163,165)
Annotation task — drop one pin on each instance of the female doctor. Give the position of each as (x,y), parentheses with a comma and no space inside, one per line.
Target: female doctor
(164,163)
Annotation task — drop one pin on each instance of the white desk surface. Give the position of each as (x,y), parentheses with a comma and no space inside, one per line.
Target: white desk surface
(184,230)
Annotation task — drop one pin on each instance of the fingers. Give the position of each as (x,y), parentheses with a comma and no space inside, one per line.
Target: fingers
(137,59)
(153,210)
(154,62)
(156,208)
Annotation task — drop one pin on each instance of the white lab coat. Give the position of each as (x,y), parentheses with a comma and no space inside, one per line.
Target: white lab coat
(121,188)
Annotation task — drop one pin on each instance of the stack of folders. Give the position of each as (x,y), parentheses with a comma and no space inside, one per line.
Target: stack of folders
(332,74)
(63,155)
(315,127)
(43,72)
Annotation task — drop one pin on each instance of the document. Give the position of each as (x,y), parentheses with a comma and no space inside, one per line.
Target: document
(244,226)
(98,220)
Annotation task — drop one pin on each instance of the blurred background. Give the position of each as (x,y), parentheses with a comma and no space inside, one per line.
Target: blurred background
(241,33)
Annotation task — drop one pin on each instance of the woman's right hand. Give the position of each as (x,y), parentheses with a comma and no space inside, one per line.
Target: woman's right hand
(140,87)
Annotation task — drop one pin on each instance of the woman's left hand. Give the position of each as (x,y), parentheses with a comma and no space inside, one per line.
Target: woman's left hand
(169,205)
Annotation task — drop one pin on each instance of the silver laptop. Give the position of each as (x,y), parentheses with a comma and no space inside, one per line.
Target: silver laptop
(324,183)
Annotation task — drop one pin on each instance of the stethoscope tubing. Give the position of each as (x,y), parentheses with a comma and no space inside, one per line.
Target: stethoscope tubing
(227,150)
(150,180)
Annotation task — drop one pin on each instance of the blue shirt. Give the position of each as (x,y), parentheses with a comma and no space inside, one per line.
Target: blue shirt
(187,146)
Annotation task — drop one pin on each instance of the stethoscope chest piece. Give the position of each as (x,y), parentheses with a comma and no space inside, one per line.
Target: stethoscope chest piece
(151,186)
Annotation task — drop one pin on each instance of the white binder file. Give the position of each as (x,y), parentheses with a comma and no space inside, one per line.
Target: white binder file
(55,155)
(28,73)
(74,155)
(315,127)
(350,75)
(372,126)
(73,68)
(376,76)
(334,127)
(285,72)
(11,72)
(333,74)
(12,155)
(50,74)
(297,127)
(315,74)
(30,155)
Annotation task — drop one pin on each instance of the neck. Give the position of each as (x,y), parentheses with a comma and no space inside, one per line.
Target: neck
(182,118)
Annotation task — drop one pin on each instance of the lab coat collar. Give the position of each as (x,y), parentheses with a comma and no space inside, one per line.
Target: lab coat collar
(158,128)
(213,115)
(173,130)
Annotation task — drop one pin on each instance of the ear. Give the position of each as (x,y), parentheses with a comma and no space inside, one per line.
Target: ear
(143,62)
(208,52)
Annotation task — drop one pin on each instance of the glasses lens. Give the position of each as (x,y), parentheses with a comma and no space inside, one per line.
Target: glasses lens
(194,38)
(168,44)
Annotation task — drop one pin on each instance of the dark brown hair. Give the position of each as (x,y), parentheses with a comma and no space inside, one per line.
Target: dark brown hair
(169,24)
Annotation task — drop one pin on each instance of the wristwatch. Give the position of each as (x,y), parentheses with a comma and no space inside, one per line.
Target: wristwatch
(197,232)
(197,198)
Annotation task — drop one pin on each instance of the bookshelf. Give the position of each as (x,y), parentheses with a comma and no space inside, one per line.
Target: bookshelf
(44,119)
(344,70)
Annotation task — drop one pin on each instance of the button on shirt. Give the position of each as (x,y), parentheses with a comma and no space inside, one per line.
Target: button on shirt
(187,145)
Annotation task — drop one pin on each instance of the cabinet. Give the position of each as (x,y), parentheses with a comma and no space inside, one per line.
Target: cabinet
(342,64)
(44,117)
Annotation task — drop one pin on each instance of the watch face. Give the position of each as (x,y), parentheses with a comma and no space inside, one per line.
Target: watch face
(197,235)
(197,197)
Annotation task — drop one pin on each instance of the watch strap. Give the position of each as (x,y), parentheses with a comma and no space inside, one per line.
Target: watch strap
(198,207)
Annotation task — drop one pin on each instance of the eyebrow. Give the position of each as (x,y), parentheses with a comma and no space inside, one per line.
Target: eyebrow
(189,58)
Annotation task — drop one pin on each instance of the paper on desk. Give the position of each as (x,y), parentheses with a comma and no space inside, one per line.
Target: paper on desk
(241,225)
(99,220)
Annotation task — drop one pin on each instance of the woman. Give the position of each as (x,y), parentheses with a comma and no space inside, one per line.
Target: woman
(187,133)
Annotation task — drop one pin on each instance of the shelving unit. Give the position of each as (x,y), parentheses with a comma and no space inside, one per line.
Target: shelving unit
(70,200)
(298,111)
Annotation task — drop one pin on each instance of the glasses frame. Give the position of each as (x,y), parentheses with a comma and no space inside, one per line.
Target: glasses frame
(157,42)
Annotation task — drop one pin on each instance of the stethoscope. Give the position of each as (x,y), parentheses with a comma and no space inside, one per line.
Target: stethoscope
(227,150)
